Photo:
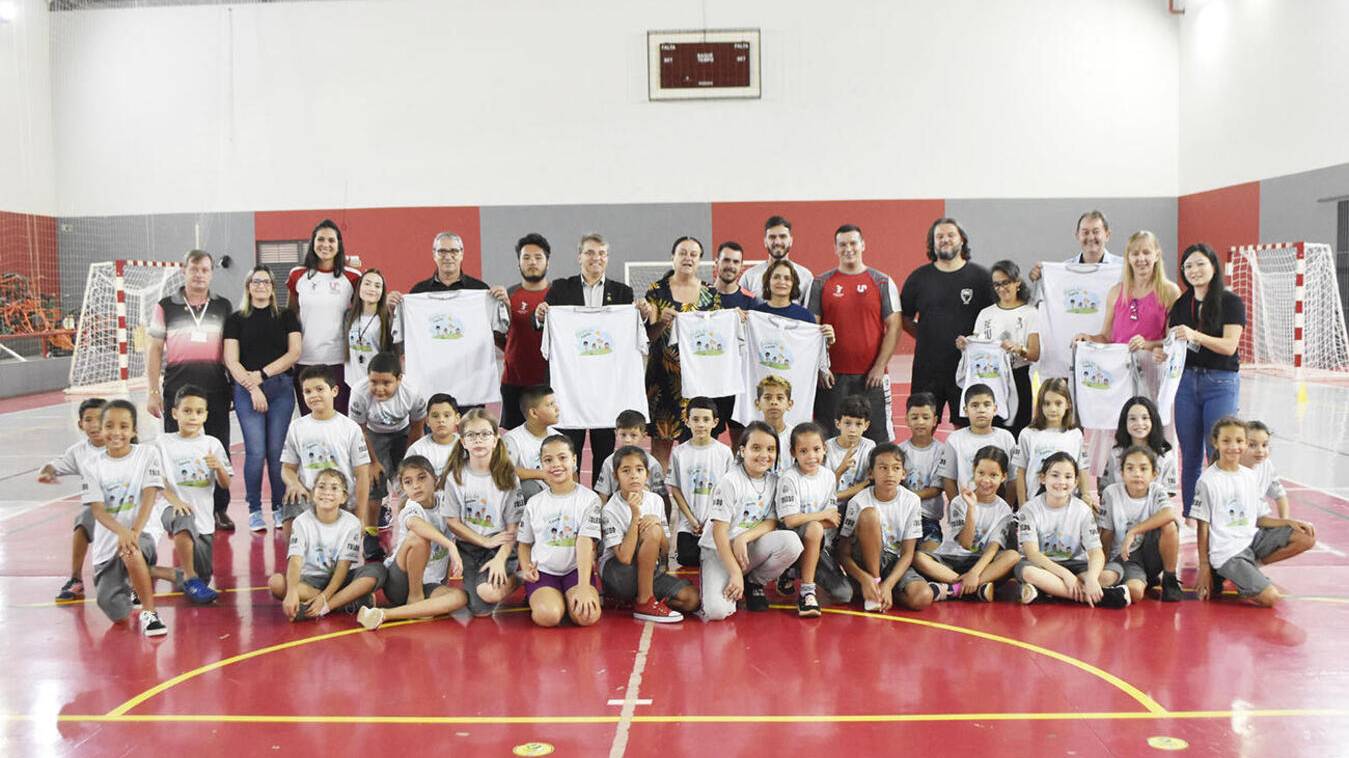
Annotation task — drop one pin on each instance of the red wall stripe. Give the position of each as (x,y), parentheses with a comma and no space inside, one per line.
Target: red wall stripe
(1223,218)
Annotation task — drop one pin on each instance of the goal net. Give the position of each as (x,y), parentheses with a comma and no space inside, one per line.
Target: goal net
(642,274)
(110,338)
(1294,314)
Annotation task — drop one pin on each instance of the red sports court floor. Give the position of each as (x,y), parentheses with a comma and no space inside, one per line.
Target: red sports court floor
(1001,679)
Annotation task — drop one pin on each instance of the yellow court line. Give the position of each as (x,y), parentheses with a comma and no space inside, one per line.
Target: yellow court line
(82,601)
(809,718)
(164,685)
(1319,599)
(1143,699)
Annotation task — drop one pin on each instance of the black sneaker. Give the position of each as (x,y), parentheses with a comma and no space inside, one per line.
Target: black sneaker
(807,606)
(786,583)
(373,550)
(1171,592)
(755,599)
(355,606)
(73,589)
(1115,597)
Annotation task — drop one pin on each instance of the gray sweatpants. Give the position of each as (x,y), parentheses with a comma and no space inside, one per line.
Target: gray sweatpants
(112,581)
(769,556)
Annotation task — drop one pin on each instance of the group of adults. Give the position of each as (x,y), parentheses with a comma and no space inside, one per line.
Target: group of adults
(338,317)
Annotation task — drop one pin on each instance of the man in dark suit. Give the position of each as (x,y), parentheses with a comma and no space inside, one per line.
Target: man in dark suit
(590,288)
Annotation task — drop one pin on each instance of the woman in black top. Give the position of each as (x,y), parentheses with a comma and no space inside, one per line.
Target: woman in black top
(262,343)
(1211,317)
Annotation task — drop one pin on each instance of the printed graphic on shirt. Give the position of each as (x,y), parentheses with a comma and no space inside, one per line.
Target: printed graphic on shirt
(318,456)
(118,496)
(707,342)
(1094,376)
(775,354)
(445,327)
(700,480)
(985,367)
(1236,514)
(591,341)
(750,511)
(1058,547)
(1081,301)
(477,511)
(190,472)
(561,531)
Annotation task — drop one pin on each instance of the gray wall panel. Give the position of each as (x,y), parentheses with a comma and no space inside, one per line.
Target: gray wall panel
(36,375)
(1030,230)
(1289,207)
(639,232)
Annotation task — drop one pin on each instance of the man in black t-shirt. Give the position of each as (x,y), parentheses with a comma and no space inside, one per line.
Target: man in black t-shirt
(939,302)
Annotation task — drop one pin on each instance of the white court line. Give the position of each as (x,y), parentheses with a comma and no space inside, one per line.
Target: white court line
(638,701)
(1303,486)
(620,743)
(34,505)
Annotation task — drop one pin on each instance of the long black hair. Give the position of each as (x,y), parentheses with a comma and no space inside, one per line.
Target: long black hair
(311,258)
(1211,307)
(1156,440)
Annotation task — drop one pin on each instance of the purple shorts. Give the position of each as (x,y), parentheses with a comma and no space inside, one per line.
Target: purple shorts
(559,583)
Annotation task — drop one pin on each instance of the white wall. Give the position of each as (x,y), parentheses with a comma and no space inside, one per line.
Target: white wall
(1263,88)
(423,102)
(27,174)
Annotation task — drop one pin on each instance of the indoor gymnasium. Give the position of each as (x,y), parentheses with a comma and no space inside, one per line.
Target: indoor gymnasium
(637,378)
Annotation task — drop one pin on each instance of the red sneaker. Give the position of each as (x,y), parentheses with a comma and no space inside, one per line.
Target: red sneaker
(656,611)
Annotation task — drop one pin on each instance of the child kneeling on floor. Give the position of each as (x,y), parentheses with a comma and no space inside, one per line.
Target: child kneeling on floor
(637,545)
(880,534)
(974,553)
(557,540)
(1237,534)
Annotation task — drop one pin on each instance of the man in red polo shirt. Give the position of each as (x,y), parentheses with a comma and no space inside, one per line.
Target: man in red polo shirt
(862,304)
(525,365)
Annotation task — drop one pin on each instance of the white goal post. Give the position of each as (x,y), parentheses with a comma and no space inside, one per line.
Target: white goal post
(110,339)
(1294,316)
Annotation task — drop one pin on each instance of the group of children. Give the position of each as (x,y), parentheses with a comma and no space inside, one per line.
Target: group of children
(888,524)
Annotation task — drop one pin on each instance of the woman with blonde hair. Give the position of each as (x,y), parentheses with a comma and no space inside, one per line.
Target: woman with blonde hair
(1136,308)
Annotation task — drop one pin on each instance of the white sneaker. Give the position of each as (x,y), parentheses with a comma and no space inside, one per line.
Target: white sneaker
(370,618)
(151,626)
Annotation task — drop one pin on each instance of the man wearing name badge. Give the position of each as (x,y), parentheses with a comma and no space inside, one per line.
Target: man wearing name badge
(941,301)
(591,289)
(777,240)
(862,305)
(447,250)
(1093,232)
(525,366)
(187,341)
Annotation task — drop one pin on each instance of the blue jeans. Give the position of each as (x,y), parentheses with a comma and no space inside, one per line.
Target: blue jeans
(264,436)
(1204,396)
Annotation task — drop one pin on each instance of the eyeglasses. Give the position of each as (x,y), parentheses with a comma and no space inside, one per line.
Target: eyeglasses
(267,282)
(478,436)
(1003,284)
(453,252)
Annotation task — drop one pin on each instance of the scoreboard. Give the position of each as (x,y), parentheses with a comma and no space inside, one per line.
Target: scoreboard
(703,64)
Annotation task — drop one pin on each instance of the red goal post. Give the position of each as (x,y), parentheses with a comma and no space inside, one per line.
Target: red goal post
(1294,316)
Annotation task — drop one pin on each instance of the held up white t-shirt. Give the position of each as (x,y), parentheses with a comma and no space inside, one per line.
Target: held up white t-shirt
(447,337)
(1073,302)
(551,524)
(595,363)
(695,471)
(187,475)
(776,346)
(1104,379)
(709,343)
(985,362)
(118,483)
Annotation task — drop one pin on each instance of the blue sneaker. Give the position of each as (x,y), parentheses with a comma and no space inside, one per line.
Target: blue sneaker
(385,517)
(197,591)
(255,522)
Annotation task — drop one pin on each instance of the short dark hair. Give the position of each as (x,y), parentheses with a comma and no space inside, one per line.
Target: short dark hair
(386,363)
(921,400)
(886,448)
(705,403)
(564,439)
(802,429)
(777,221)
(848,228)
(93,403)
(318,372)
(932,233)
(1258,426)
(625,452)
(196,255)
(189,390)
(977,390)
(532,396)
(1092,214)
(995,454)
(442,397)
(1142,450)
(855,406)
(1009,269)
(732,244)
(630,419)
(534,238)
(419,462)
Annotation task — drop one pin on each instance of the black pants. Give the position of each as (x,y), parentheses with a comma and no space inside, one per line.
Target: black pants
(217,425)
(511,415)
(1021,376)
(725,408)
(942,385)
(687,551)
(601,447)
(828,400)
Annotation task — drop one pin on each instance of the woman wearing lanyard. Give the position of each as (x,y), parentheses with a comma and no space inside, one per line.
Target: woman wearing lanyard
(1212,318)
(262,343)
(320,292)
(370,325)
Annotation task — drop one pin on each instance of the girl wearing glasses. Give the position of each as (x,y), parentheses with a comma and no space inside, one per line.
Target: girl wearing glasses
(1016,323)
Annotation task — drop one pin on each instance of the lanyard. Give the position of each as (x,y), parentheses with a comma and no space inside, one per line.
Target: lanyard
(197,319)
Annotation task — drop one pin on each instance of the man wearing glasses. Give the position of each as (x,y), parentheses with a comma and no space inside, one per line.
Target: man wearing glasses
(448,252)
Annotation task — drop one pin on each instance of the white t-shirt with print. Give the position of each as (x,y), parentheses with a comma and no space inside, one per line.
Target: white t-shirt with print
(805,493)
(741,502)
(1104,379)
(923,469)
(433,451)
(992,524)
(449,344)
(363,344)
(322,545)
(438,564)
(617,517)
(336,442)
(551,524)
(1231,502)
(710,357)
(901,517)
(1035,445)
(1063,534)
(1073,302)
(1015,324)
(183,462)
(607,484)
(396,414)
(596,363)
(695,471)
(834,453)
(1121,512)
(480,505)
(788,348)
(118,483)
(962,445)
